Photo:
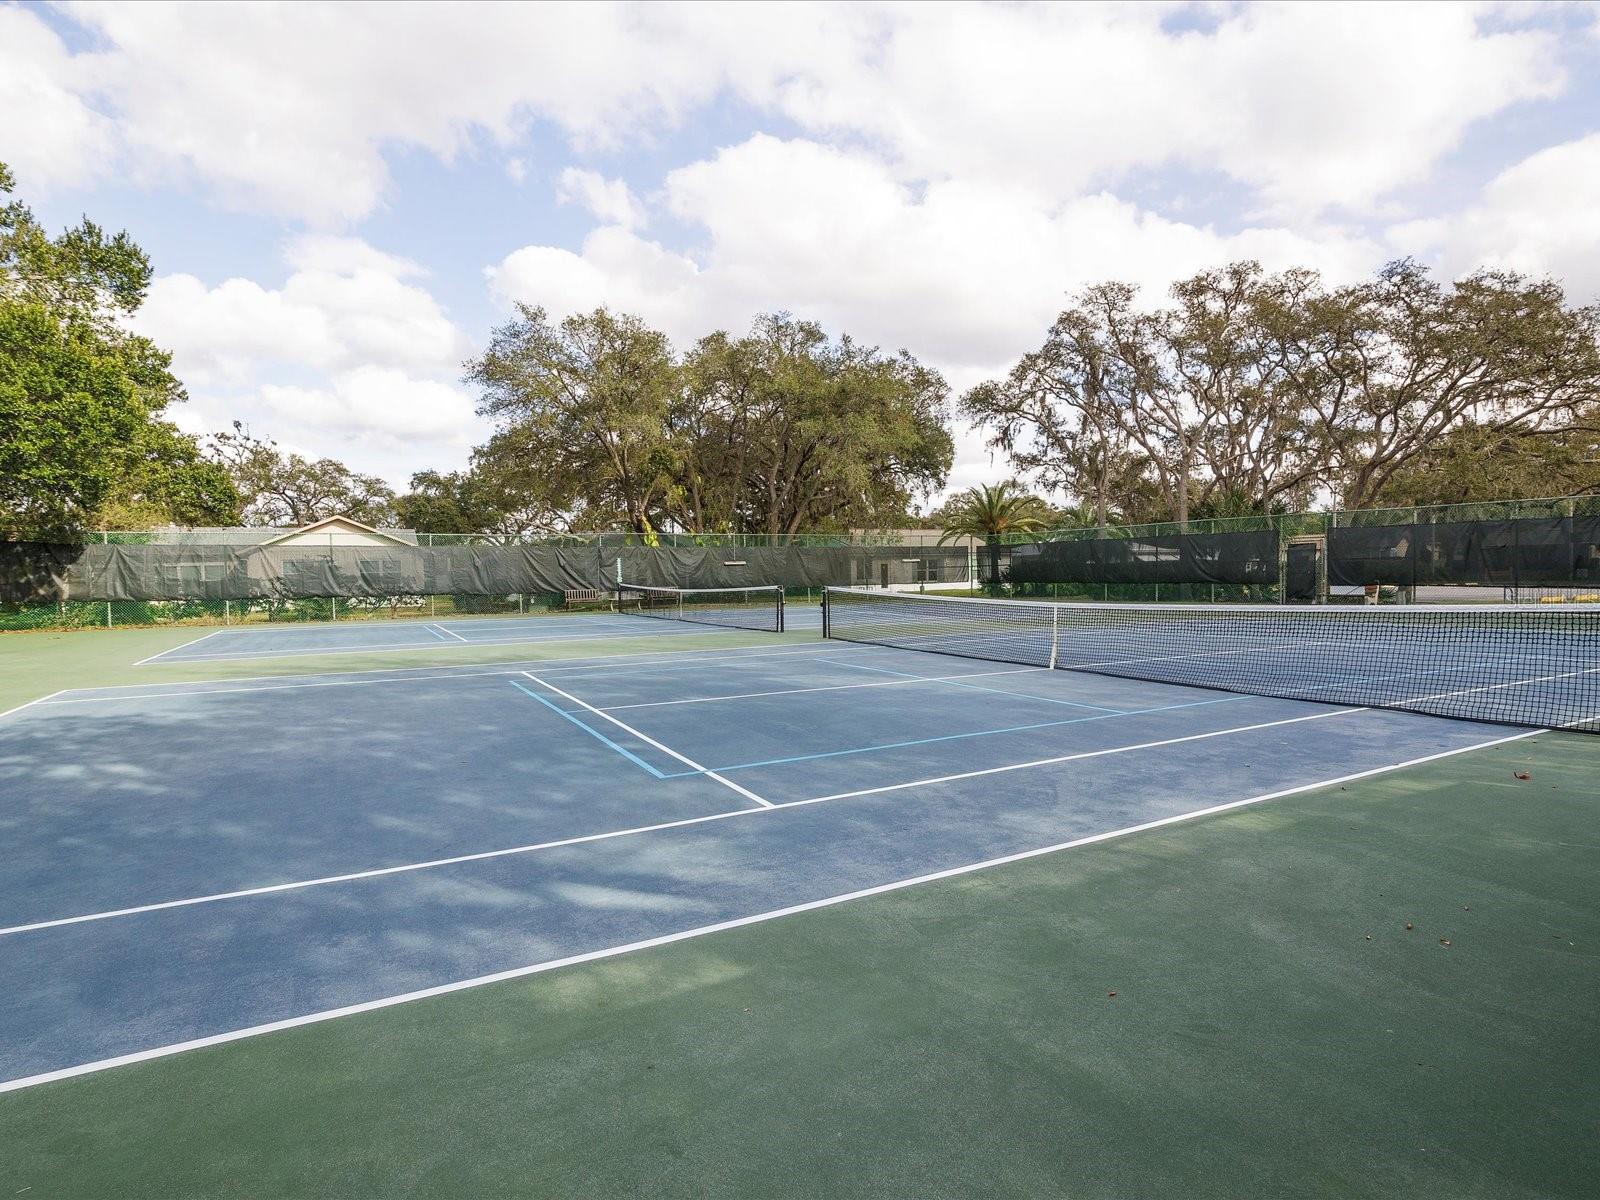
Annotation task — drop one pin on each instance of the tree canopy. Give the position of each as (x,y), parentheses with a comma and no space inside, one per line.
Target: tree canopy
(992,511)
(288,489)
(497,496)
(1245,392)
(778,431)
(81,398)
(1253,392)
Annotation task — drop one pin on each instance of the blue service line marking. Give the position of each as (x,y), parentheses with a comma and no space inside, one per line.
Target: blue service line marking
(954,737)
(596,734)
(978,688)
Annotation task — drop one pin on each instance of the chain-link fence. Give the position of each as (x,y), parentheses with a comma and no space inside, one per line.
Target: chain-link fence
(121,614)
(1287,524)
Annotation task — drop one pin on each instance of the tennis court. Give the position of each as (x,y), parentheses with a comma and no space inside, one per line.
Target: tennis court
(757,609)
(193,864)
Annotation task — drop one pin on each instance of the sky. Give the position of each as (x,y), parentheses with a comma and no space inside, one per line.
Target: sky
(342,201)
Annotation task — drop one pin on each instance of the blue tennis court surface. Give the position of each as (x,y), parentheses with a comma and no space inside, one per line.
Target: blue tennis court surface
(335,637)
(207,860)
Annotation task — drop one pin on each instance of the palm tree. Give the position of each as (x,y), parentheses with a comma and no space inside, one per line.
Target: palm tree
(990,513)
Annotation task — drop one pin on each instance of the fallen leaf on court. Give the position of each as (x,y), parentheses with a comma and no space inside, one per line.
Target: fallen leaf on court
(1522,775)
(1409,925)
(1110,993)
(1444,941)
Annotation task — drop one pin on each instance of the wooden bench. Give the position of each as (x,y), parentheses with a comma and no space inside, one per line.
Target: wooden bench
(579,597)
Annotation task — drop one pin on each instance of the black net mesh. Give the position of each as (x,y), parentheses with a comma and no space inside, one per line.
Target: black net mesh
(1520,665)
(758,608)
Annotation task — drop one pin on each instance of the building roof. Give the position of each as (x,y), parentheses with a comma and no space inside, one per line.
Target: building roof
(241,535)
(332,525)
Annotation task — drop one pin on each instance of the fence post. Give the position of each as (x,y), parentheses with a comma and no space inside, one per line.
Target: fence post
(1516,557)
(108,614)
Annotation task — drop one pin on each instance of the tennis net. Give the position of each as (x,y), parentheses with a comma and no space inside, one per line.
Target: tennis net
(1513,664)
(758,608)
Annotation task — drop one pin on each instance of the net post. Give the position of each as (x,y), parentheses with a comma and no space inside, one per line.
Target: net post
(825,613)
(780,610)
(1055,634)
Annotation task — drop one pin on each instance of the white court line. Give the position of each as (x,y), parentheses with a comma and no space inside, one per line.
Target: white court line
(461,985)
(551,667)
(1083,754)
(582,839)
(403,624)
(836,687)
(28,704)
(181,646)
(650,741)
(311,652)
(1495,687)
(582,662)
(451,632)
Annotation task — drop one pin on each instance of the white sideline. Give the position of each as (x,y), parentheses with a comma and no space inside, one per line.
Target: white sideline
(390,647)
(650,741)
(27,704)
(833,687)
(483,855)
(181,646)
(29,1081)
(393,674)
(1083,754)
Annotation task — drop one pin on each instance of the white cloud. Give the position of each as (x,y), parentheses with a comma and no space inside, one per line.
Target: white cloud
(376,402)
(351,357)
(288,109)
(1539,216)
(376,420)
(616,269)
(1315,105)
(345,304)
(965,275)
(609,200)
(958,169)
(48,134)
